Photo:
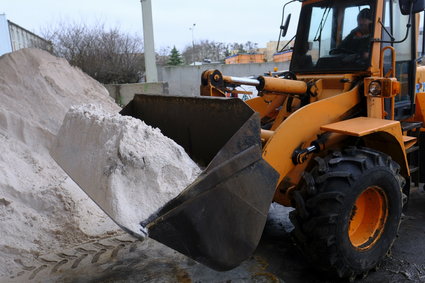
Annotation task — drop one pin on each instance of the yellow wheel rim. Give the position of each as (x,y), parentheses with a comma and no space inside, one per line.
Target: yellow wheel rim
(368,217)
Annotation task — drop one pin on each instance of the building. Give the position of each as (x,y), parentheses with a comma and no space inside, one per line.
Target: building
(284,56)
(245,58)
(271,53)
(14,37)
(272,48)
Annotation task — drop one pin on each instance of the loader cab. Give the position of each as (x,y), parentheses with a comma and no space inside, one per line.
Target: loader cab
(329,37)
(321,42)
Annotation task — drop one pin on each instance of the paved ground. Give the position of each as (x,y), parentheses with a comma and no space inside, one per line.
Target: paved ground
(122,259)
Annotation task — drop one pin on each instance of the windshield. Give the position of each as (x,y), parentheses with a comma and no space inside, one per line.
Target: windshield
(335,36)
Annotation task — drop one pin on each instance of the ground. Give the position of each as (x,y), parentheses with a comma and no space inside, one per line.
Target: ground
(124,259)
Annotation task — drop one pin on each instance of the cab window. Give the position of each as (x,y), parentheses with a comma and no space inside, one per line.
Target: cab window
(335,36)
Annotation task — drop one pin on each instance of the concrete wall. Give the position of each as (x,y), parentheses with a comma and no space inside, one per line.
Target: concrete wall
(185,80)
(123,93)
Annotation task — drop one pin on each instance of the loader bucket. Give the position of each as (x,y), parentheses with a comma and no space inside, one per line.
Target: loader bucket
(217,220)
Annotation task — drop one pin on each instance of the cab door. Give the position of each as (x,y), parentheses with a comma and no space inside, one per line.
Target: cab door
(395,25)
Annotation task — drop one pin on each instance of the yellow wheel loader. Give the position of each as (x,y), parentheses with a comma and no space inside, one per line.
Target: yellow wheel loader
(339,137)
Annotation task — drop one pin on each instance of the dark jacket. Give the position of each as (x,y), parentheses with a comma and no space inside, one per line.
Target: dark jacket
(356,42)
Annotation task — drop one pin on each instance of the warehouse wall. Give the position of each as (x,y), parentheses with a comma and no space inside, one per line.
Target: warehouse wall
(5,44)
(185,80)
(23,38)
(14,37)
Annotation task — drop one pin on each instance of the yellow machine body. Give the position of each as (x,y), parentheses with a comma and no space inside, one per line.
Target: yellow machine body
(334,100)
(334,118)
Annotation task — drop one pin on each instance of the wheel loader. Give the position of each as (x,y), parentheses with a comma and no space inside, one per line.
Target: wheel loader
(339,137)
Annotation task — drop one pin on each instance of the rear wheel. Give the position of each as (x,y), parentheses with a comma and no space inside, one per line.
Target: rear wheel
(349,211)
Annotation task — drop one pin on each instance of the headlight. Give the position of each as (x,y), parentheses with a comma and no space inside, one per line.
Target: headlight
(375,88)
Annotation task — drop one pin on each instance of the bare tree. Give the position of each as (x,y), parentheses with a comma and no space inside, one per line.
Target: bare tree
(204,49)
(162,56)
(237,48)
(215,51)
(108,55)
(250,46)
(247,47)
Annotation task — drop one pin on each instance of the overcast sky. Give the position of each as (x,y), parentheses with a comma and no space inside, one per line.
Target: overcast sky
(218,20)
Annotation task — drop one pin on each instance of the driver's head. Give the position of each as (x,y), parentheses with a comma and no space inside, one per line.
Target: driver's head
(364,20)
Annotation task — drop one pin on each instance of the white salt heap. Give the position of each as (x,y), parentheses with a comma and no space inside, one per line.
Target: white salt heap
(41,209)
(129,168)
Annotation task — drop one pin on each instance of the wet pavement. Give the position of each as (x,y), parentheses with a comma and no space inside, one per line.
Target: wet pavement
(123,259)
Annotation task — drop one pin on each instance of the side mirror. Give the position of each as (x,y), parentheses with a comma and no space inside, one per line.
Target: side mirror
(285,27)
(418,6)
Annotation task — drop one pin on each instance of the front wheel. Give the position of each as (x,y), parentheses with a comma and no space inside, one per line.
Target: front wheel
(349,211)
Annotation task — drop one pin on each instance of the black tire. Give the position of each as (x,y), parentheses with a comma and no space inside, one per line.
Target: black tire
(325,208)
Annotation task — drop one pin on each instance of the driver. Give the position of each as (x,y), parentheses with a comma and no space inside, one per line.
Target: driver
(357,42)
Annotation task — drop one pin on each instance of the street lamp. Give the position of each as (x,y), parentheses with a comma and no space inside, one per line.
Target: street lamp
(193,43)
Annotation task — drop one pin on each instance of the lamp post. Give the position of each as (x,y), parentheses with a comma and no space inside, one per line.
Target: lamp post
(193,43)
(148,40)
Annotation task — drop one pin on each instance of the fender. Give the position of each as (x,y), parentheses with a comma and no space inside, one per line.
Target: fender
(379,134)
(303,126)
